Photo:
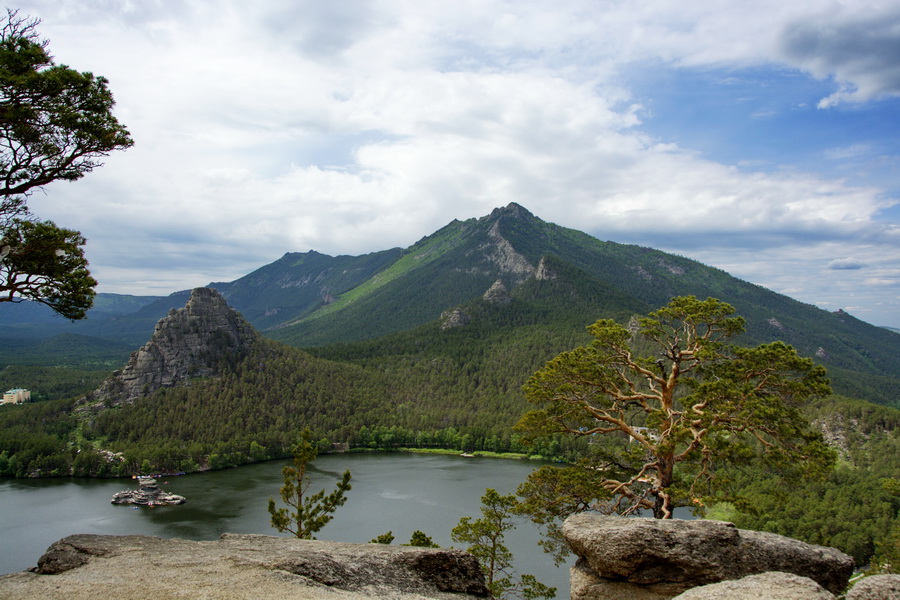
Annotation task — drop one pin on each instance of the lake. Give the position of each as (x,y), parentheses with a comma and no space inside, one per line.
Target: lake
(391,492)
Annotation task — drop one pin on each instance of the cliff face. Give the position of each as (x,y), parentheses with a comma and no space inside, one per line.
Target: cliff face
(194,341)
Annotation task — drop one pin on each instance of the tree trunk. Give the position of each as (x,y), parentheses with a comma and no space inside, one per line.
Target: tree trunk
(662,507)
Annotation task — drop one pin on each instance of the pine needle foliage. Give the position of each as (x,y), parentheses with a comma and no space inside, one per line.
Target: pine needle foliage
(307,513)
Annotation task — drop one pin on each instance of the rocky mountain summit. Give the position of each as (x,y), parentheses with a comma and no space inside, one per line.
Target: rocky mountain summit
(198,340)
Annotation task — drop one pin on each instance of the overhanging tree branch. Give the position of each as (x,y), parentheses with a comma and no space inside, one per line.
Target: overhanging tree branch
(55,125)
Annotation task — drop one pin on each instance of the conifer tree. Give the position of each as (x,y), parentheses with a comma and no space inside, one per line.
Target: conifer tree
(665,403)
(486,538)
(56,124)
(308,513)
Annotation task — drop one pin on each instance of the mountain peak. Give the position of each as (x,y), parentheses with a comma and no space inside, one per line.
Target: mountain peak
(514,210)
(188,342)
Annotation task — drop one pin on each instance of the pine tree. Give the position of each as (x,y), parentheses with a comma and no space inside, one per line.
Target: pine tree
(308,513)
(486,538)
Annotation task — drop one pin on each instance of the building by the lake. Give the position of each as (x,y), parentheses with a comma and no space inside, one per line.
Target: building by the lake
(16,396)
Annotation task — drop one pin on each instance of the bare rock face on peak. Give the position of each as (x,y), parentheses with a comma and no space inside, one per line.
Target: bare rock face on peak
(194,341)
(497,294)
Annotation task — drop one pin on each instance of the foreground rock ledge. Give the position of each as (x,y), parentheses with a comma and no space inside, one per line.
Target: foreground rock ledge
(655,559)
(96,567)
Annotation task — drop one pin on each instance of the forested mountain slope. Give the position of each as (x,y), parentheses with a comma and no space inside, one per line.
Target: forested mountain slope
(463,260)
(313,300)
(299,283)
(452,382)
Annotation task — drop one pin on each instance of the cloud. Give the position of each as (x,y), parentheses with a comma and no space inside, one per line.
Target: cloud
(846,264)
(354,127)
(861,50)
(846,152)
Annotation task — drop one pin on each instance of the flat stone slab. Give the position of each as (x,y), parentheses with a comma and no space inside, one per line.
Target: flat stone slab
(783,586)
(237,567)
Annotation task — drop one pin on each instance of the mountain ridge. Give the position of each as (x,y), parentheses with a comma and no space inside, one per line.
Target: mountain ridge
(312,299)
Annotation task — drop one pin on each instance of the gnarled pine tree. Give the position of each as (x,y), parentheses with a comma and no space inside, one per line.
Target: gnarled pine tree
(56,124)
(664,404)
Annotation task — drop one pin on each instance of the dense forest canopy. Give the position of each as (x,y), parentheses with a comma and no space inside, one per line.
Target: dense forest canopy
(442,376)
(457,388)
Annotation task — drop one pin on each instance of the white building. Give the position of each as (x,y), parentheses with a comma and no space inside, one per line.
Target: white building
(16,396)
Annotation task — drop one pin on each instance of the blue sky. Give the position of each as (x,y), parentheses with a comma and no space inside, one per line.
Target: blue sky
(760,137)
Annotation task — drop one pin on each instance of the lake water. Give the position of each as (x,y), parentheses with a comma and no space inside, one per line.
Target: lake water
(391,492)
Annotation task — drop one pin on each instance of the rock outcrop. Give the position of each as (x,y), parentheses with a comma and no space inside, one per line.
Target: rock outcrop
(194,341)
(502,254)
(497,294)
(87,567)
(876,587)
(453,318)
(147,494)
(772,585)
(654,559)
(544,272)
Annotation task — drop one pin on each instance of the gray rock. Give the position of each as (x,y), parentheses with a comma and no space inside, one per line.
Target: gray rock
(670,556)
(876,587)
(584,585)
(189,342)
(455,317)
(543,272)
(83,567)
(505,257)
(497,294)
(764,586)
(147,494)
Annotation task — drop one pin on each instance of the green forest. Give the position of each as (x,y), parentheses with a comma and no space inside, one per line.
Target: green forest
(457,388)
(359,353)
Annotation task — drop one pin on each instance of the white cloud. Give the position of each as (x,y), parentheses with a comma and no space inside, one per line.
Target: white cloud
(843,153)
(358,126)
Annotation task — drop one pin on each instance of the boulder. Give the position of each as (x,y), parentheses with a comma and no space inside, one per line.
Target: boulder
(669,556)
(770,586)
(87,567)
(876,587)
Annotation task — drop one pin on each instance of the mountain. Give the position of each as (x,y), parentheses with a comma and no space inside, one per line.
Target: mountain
(465,259)
(203,339)
(428,347)
(107,319)
(299,283)
(559,277)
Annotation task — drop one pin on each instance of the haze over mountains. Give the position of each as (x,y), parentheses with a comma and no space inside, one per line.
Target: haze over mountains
(536,272)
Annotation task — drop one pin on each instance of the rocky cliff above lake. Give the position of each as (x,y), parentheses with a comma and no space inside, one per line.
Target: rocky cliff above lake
(195,341)
(618,559)
(88,567)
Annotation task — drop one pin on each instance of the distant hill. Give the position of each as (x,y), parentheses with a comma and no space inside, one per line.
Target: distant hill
(65,349)
(312,300)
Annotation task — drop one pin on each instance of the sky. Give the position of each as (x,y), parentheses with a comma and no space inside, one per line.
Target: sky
(761,137)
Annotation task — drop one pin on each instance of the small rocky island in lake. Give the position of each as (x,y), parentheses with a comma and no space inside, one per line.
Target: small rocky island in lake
(148,494)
